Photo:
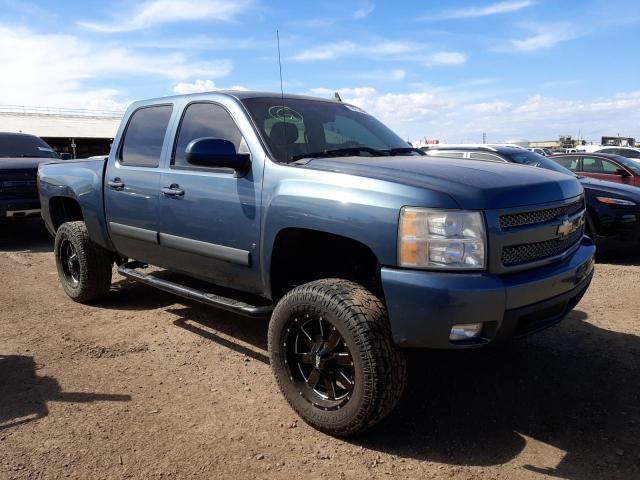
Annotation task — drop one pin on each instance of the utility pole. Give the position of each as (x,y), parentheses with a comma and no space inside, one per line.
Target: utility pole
(484,137)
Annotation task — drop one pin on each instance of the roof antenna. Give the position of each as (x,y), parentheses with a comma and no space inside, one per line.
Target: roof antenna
(284,109)
(336,97)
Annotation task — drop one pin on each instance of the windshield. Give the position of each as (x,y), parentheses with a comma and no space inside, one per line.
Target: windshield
(26,146)
(525,157)
(296,128)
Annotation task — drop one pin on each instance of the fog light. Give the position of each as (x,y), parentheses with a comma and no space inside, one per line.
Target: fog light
(465,331)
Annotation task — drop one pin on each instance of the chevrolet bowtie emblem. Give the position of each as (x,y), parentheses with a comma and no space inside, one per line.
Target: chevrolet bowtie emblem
(567,227)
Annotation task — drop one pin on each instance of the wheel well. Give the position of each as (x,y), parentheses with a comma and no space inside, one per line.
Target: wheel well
(64,209)
(301,256)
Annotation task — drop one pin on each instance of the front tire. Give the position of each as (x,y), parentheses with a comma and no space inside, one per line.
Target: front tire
(333,356)
(84,267)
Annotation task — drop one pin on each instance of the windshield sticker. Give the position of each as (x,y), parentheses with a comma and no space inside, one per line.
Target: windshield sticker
(282,112)
(355,109)
(45,149)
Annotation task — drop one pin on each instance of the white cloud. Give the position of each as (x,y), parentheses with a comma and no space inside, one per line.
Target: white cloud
(200,86)
(364,11)
(158,12)
(55,70)
(542,40)
(447,58)
(332,51)
(453,115)
(491,9)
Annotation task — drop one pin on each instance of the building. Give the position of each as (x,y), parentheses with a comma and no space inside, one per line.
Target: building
(81,133)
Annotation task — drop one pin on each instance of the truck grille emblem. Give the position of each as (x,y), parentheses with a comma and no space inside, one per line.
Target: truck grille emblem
(567,227)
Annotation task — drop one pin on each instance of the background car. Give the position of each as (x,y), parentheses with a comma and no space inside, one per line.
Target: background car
(604,166)
(628,152)
(613,209)
(20,155)
(545,152)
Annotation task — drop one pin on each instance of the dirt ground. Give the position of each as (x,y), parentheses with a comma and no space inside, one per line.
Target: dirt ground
(147,385)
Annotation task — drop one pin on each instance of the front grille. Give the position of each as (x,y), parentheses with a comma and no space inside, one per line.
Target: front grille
(512,220)
(514,255)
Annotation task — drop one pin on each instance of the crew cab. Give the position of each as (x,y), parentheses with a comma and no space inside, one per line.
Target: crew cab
(313,214)
(20,155)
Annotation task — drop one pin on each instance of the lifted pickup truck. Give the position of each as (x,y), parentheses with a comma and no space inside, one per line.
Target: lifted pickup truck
(313,213)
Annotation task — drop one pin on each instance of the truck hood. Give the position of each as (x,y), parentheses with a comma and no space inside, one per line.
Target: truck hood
(473,184)
(618,189)
(22,163)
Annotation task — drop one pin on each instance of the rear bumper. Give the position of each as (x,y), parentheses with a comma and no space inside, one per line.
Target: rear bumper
(423,306)
(19,208)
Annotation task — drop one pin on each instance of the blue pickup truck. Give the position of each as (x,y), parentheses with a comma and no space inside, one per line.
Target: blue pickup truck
(312,213)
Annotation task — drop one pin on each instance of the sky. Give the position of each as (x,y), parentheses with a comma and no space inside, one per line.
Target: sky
(448,70)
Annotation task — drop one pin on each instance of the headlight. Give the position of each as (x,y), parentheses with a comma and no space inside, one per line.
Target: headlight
(444,239)
(615,201)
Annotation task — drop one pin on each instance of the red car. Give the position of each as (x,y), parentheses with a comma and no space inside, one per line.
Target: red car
(605,166)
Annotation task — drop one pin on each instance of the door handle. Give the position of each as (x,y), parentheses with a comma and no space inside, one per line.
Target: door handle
(172,191)
(116,184)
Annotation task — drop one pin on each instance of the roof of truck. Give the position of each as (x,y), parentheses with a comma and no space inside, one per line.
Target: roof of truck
(239,94)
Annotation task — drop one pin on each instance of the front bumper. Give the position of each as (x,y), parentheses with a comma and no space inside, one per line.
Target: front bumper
(423,306)
(19,208)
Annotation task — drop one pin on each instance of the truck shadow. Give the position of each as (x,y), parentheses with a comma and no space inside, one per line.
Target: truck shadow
(24,394)
(626,256)
(575,387)
(224,328)
(28,234)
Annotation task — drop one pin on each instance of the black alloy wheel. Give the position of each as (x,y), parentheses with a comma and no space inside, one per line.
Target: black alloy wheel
(319,361)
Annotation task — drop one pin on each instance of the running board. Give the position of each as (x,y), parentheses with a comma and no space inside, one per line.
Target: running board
(128,270)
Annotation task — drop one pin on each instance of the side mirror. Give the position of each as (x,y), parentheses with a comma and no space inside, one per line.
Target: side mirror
(622,172)
(217,153)
(65,156)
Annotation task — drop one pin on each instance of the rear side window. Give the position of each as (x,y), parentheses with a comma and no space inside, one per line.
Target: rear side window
(610,150)
(144,137)
(629,153)
(449,154)
(568,162)
(204,120)
(489,157)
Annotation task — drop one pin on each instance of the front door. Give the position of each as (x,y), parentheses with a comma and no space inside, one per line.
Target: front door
(603,169)
(132,185)
(210,220)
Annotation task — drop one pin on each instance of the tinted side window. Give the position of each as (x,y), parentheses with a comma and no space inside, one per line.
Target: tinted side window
(610,150)
(598,165)
(568,162)
(630,153)
(447,153)
(204,120)
(485,156)
(145,133)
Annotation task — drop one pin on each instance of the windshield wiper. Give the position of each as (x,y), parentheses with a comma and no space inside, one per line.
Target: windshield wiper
(341,152)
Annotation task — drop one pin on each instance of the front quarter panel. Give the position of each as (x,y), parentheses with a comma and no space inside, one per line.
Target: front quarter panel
(360,208)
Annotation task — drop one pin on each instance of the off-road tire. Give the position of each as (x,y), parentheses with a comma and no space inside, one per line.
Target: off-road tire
(379,366)
(94,264)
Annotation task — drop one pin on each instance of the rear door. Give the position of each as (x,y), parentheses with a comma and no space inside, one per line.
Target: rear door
(210,227)
(132,184)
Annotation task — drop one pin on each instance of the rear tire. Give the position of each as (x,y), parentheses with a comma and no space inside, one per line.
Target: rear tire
(333,356)
(84,267)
